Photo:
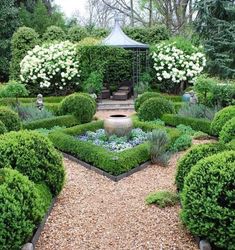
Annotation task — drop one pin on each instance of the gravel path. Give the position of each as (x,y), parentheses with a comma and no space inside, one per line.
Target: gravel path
(93,212)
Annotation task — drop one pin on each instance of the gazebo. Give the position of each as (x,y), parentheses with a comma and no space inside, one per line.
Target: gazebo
(140,50)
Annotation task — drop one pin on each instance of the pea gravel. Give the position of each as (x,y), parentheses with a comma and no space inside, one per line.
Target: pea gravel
(93,212)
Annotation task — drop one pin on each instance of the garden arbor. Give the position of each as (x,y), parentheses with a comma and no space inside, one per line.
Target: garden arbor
(140,50)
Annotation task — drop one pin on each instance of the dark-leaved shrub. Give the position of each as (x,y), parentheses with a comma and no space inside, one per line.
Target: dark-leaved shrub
(2,128)
(33,155)
(227,133)
(54,33)
(81,105)
(22,207)
(10,119)
(208,199)
(154,108)
(221,118)
(144,97)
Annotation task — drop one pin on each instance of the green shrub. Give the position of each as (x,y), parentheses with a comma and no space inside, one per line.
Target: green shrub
(80,105)
(53,107)
(182,143)
(195,154)
(221,118)
(231,144)
(94,83)
(159,140)
(227,133)
(23,40)
(54,33)
(162,199)
(154,108)
(178,105)
(144,97)
(195,123)
(76,34)
(184,129)
(34,156)
(208,199)
(65,120)
(2,128)
(10,119)
(22,208)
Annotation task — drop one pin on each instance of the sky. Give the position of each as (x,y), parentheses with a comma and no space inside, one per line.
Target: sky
(71,6)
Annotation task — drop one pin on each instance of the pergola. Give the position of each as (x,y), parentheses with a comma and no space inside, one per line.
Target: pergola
(140,50)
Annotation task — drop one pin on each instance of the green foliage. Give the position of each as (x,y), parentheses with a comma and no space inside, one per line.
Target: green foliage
(231,144)
(47,123)
(22,208)
(9,23)
(144,84)
(208,199)
(107,60)
(154,108)
(10,119)
(23,40)
(144,97)
(159,140)
(76,33)
(81,105)
(54,33)
(3,128)
(199,135)
(227,133)
(221,118)
(215,25)
(190,159)
(162,199)
(94,83)
(184,129)
(34,156)
(151,35)
(195,123)
(182,143)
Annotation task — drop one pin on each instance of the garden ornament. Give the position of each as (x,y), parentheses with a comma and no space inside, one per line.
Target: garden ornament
(39,102)
(193,98)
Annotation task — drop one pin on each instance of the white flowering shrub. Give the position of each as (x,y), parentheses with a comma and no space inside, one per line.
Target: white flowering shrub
(54,67)
(174,66)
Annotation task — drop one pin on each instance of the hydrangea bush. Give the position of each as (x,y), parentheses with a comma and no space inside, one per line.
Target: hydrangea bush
(54,67)
(173,65)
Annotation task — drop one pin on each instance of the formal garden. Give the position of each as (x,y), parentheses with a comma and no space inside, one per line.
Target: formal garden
(160,175)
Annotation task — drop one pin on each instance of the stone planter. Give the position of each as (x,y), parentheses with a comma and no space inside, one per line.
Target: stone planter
(119,125)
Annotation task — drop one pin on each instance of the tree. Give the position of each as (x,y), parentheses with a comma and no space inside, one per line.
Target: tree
(215,24)
(8,23)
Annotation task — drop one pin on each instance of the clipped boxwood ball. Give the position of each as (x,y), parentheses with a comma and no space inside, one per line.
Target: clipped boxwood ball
(2,128)
(154,108)
(21,209)
(195,154)
(33,155)
(208,199)
(10,119)
(144,97)
(221,118)
(227,133)
(82,106)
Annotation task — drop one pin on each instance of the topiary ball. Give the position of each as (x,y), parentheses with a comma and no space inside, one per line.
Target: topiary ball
(154,108)
(227,133)
(144,97)
(195,154)
(33,155)
(54,33)
(21,208)
(2,128)
(10,119)
(82,106)
(221,118)
(208,199)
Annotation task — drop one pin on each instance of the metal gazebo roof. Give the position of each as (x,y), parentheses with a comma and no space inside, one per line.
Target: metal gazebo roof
(118,38)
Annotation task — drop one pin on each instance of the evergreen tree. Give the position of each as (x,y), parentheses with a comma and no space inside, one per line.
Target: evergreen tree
(8,23)
(215,24)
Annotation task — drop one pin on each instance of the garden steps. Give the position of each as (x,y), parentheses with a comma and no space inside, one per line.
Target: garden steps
(115,105)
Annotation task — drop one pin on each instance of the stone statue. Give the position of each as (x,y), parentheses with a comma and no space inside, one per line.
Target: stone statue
(193,98)
(39,102)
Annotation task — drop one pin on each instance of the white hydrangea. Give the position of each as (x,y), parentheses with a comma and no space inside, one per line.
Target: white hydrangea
(172,64)
(52,66)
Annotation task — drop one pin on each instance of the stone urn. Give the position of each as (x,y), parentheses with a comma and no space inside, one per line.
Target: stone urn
(119,125)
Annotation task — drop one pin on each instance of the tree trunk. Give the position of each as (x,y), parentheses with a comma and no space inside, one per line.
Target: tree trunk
(132,13)
(150,13)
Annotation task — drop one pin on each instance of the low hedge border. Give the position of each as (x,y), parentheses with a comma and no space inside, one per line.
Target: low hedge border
(111,162)
(195,123)
(65,120)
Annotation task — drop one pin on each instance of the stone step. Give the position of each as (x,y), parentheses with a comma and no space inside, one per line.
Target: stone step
(116,107)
